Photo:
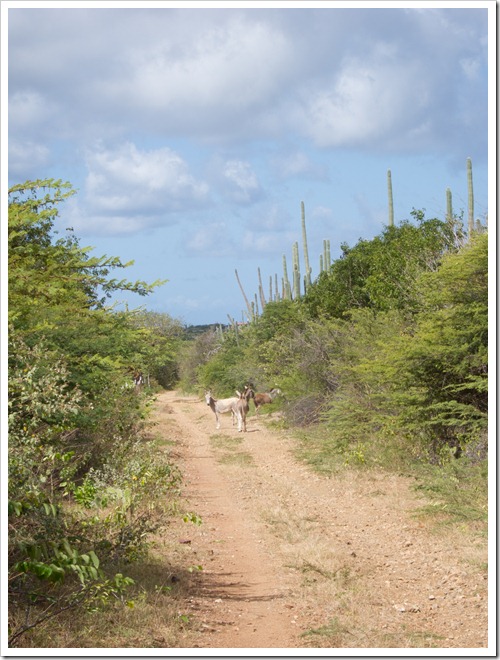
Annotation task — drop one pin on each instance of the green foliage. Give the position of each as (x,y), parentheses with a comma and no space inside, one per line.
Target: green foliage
(80,488)
(193,355)
(381,274)
(458,491)
(44,273)
(387,349)
(444,362)
(160,340)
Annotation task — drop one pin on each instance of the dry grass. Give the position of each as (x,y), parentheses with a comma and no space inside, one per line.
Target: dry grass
(154,617)
(343,590)
(229,452)
(151,614)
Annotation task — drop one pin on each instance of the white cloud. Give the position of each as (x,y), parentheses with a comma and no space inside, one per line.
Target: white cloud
(27,158)
(240,181)
(296,163)
(28,108)
(129,179)
(274,217)
(339,77)
(471,67)
(213,239)
(200,74)
(128,189)
(322,212)
(366,103)
(268,242)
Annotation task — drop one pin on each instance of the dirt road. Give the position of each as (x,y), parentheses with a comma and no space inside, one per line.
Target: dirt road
(295,560)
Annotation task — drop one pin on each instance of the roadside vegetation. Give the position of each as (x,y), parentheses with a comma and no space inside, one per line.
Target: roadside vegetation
(382,361)
(88,489)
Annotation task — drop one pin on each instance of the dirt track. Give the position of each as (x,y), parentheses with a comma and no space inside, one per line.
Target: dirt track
(295,560)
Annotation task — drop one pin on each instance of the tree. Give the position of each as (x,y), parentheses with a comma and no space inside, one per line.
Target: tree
(444,362)
(70,417)
(381,274)
(161,337)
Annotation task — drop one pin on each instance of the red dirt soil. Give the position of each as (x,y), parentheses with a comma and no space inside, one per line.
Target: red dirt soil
(295,560)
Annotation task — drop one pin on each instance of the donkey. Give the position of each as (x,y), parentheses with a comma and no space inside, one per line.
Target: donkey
(262,398)
(242,407)
(220,406)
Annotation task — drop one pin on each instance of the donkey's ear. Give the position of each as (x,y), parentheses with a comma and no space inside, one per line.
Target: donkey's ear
(238,393)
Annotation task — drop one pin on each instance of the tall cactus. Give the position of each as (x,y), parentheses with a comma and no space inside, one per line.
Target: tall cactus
(470,197)
(449,207)
(307,277)
(287,290)
(391,202)
(326,254)
(249,307)
(261,291)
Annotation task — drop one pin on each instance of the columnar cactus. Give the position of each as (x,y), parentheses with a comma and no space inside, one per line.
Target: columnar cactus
(449,207)
(326,254)
(471,196)
(391,204)
(249,307)
(307,277)
(261,291)
(287,290)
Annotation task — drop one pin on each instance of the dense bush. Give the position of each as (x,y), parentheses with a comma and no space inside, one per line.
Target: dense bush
(388,346)
(382,274)
(81,481)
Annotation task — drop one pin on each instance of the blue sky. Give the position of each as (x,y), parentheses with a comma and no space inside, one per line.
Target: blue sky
(193,133)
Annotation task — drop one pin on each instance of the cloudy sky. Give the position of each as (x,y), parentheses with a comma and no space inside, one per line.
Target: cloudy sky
(193,134)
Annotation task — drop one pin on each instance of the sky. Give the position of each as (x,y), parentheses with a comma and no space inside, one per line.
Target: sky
(193,131)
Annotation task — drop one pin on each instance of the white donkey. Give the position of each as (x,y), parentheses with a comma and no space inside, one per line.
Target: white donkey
(220,406)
